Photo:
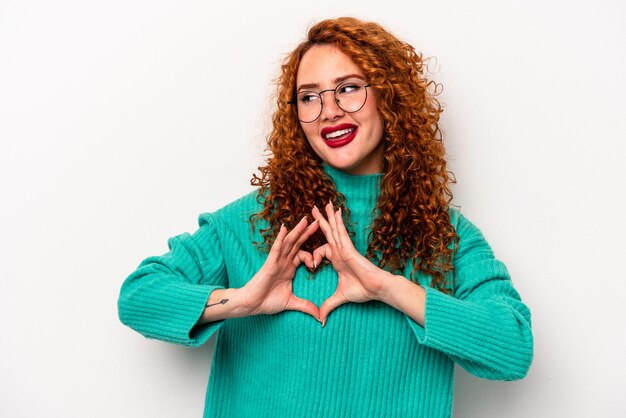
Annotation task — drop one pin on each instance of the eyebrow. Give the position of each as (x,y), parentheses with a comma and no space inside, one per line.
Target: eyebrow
(336,81)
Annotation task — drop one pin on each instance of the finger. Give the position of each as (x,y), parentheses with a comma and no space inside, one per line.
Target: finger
(302,305)
(330,213)
(324,226)
(342,232)
(278,242)
(320,253)
(310,230)
(293,236)
(330,305)
(304,257)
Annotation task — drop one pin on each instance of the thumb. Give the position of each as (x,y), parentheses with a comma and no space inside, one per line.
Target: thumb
(306,306)
(329,305)
(304,257)
(320,253)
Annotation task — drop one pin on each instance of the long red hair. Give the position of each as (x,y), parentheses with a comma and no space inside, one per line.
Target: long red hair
(414,224)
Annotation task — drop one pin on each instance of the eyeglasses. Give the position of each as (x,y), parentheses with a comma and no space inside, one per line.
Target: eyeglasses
(349,96)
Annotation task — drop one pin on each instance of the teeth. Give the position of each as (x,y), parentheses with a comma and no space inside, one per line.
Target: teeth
(339,133)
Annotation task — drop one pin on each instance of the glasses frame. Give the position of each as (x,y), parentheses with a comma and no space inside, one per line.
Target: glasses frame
(294,101)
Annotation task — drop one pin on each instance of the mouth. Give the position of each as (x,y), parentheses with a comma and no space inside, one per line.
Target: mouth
(340,135)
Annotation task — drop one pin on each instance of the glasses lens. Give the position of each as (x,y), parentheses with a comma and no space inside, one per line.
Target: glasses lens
(309,106)
(351,96)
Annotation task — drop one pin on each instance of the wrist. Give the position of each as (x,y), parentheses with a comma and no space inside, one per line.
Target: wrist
(223,304)
(406,296)
(391,284)
(247,303)
(395,288)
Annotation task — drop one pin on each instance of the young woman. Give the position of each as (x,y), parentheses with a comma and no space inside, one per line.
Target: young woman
(345,285)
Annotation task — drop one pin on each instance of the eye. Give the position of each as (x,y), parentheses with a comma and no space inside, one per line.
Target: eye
(348,88)
(308,98)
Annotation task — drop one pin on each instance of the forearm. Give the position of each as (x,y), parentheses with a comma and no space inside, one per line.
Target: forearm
(404,295)
(223,304)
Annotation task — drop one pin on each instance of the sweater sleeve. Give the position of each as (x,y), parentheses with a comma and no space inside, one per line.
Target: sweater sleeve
(166,295)
(484,327)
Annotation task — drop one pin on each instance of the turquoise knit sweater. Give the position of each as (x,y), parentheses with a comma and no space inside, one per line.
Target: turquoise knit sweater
(370,360)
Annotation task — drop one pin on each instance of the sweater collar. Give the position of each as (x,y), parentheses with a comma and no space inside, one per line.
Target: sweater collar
(359,190)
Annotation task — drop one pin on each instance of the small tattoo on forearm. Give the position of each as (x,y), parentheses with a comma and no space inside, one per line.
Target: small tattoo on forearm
(221,302)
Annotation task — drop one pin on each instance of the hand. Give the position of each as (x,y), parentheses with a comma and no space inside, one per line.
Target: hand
(359,280)
(270,290)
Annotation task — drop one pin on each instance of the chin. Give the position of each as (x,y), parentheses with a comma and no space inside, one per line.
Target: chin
(341,165)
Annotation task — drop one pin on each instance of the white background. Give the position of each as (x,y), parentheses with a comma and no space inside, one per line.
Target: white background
(120,122)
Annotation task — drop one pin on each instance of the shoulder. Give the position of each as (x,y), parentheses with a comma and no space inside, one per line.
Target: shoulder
(471,239)
(235,211)
(463,226)
(474,260)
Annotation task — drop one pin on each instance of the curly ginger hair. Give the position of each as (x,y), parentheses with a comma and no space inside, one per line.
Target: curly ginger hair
(414,223)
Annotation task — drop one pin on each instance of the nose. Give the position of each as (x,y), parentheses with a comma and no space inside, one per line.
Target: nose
(330,109)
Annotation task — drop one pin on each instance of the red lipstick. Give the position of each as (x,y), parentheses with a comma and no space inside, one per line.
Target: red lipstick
(340,135)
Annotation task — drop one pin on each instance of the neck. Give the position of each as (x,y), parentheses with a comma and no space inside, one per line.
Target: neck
(361,191)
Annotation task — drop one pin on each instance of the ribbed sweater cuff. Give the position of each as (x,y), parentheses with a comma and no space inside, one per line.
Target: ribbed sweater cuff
(172,313)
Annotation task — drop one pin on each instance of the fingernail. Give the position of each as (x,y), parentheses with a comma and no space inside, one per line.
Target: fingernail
(315,207)
(323,323)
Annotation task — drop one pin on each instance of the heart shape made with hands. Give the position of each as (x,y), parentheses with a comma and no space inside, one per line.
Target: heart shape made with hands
(359,280)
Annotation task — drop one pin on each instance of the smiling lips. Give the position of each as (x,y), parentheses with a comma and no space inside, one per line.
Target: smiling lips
(340,135)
